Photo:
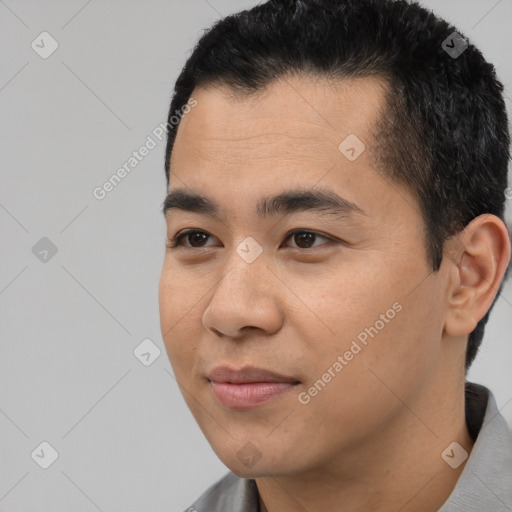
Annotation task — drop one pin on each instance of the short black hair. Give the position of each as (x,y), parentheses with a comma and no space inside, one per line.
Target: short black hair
(444,131)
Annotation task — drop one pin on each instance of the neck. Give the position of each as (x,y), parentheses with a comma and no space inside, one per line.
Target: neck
(400,468)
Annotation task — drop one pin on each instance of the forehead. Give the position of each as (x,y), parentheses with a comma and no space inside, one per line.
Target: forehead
(295,117)
(237,150)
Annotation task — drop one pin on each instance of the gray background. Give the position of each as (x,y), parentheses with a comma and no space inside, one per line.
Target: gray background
(125,439)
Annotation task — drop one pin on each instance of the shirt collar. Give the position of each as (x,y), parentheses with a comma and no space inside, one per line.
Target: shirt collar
(485,483)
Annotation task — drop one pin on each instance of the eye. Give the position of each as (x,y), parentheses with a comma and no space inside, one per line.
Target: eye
(192,236)
(196,238)
(306,238)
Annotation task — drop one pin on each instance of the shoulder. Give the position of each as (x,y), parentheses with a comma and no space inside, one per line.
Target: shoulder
(485,482)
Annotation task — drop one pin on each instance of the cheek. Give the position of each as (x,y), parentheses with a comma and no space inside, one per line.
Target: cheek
(401,353)
(383,319)
(177,297)
(376,379)
(350,299)
(177,319)
(165,293)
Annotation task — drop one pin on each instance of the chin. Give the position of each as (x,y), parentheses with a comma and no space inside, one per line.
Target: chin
(249,462)
(244,472)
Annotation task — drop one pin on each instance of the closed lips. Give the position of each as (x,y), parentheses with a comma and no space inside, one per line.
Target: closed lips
(247,375)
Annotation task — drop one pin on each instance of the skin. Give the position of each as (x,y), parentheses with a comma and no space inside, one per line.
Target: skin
(372,438)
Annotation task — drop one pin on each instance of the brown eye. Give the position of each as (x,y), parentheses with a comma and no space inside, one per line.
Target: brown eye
(194,237)
(304,239)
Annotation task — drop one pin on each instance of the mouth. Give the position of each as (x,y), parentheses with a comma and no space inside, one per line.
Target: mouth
(248,387)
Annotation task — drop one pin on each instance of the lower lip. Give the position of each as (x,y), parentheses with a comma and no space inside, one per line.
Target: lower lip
(246,396)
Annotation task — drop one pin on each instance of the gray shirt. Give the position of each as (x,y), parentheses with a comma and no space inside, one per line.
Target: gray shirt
(485,484)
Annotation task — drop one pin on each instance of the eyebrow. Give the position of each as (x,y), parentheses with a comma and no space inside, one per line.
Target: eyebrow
(324,201)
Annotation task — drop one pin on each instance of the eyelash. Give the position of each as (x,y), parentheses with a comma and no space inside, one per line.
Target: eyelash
(175,242)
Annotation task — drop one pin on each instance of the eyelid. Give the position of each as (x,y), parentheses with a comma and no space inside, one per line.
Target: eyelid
(175,242)
(304,230)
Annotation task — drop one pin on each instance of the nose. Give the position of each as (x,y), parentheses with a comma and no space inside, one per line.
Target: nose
(244,299)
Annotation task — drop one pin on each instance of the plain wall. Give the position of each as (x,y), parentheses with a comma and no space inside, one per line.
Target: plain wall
(68,375)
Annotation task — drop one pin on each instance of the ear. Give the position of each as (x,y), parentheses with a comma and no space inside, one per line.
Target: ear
(477,257)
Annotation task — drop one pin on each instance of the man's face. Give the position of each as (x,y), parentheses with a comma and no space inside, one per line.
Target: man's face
(347,308)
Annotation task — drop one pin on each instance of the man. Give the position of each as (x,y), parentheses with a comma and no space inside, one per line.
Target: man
(335,244)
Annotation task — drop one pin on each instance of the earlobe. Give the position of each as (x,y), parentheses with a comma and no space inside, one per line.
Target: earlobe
(478,258)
